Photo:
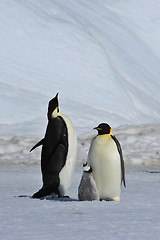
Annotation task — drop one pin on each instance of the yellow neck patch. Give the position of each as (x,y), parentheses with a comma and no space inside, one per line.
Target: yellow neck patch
(55,113)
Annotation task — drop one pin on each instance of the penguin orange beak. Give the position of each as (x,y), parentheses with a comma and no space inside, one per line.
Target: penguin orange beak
(97,128)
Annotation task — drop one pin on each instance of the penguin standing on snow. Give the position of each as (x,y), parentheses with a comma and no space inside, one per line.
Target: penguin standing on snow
(106,160)
(87,190)
(58,156)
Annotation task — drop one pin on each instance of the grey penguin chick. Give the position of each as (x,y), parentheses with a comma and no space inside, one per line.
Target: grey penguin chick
(87,190)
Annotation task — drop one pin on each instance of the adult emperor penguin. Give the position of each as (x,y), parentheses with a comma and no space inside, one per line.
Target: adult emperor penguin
(106,160)
(87,190)
(58,156)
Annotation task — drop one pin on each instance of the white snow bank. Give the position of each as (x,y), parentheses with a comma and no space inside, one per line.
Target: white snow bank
(140,145)
(102,56)
(15,150)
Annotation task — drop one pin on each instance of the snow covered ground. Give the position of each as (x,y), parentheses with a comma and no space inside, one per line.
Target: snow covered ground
(136,216)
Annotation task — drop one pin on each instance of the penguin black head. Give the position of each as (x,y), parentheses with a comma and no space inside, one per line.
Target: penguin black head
(53,108)
(103,128)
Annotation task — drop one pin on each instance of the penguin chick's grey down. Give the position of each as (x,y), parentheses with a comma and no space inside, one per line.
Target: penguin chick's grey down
(87,190)
(58,154)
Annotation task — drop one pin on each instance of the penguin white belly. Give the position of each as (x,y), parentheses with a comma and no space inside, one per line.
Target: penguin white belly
(104,159)
(67,171)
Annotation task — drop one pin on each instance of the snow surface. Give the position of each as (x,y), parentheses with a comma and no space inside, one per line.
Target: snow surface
(103,58)
(136,216)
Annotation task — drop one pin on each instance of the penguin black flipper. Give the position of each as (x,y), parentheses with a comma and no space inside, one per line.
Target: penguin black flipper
(37,145)
(121,157)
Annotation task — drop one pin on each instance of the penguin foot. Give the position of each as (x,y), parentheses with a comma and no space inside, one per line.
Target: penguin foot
(43,192)
(64,196)
(107,199)
(39,194)
(116,199)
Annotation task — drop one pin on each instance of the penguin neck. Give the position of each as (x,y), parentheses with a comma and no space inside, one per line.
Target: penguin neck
(55,113)
(59,114)
(104,137)
(54,116)
(86,175)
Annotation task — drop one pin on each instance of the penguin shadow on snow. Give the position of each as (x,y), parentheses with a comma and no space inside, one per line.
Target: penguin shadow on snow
(151,172)
(61,199)
(23,196)
(51,198)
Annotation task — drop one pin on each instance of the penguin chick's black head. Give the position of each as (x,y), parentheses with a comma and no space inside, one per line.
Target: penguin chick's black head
(53,107)
(87,168)
(103,128)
